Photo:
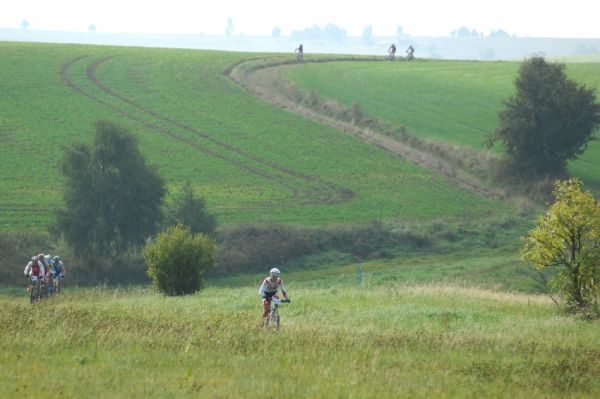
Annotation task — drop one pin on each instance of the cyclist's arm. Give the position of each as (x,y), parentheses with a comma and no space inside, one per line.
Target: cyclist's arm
(261,290)
(27,269)
(282,287)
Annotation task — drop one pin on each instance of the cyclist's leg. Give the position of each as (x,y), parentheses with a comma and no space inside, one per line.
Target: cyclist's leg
(266,306)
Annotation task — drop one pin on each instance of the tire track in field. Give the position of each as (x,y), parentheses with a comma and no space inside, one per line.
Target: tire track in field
(320,191)
(344,193)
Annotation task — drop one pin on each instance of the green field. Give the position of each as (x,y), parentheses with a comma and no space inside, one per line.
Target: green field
(389,337)
(451,101)
(252,162)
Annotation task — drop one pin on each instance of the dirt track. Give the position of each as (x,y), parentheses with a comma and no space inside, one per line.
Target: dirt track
(266,83)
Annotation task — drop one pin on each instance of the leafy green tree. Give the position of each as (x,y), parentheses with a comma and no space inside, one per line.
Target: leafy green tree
(177,259)
(567,240)
(190,211)
(548,122)
(113,199)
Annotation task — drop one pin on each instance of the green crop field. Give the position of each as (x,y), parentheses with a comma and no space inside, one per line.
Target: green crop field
(382,338)
(452,101)
(251,161)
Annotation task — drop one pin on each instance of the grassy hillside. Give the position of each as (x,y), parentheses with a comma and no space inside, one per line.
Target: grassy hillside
(251,161)
(338,339)
(452,101)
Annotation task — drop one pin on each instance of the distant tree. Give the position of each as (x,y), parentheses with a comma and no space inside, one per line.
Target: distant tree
(499,34)
(367,35)
(24,24)
(567,241)
(230,27)
(400,31)
(177,260)
(314,33)
(276,32)
(92,28)
(548,122)
(334,33)
(463,31)
(113,199)
(190,211)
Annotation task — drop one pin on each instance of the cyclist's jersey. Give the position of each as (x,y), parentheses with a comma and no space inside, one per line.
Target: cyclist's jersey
(58,267)
(35,269)
(269,287)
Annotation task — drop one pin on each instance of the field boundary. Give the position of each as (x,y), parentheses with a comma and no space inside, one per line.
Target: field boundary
(263,79)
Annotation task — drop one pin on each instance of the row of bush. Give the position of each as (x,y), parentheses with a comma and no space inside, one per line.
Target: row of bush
(241,249)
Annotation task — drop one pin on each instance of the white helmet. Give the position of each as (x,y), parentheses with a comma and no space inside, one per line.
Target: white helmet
(274,272)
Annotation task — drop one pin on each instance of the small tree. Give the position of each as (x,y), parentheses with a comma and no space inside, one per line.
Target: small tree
(190,211)
(177,259)
(567,239)
(548,122)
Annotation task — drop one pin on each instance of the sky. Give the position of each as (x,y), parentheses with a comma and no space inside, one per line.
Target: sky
(523,18)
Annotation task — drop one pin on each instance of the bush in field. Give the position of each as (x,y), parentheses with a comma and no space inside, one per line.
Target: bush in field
(567,239)
(177,259)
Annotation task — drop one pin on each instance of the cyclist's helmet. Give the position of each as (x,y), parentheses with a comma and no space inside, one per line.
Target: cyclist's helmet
(41,256)
(57,258)
(47,258)
(274,272)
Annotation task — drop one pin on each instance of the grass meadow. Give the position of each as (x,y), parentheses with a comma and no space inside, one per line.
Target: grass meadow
(457,102)
(385,337)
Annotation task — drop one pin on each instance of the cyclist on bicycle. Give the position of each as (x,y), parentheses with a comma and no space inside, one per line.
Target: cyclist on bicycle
(392,52)
(59,267)
(34,270)
(268,290)
(59,270)
(299,53)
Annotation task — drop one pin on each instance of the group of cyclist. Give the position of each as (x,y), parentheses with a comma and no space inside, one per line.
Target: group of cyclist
(409,52)
(299,51)
(44,275)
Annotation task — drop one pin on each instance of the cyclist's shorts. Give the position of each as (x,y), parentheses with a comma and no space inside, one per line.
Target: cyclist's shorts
(268,296)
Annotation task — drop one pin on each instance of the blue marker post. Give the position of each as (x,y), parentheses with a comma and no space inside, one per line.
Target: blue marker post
(359,274)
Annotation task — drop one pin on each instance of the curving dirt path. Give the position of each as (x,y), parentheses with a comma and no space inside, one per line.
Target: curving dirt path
(313,190)
(267,83)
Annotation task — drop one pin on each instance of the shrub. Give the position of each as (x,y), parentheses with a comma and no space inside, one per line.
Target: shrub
(177,259)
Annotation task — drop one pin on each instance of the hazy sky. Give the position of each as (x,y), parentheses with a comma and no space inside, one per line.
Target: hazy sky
(536,18)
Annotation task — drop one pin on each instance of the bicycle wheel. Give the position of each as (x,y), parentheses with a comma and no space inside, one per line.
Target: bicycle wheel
(274,317)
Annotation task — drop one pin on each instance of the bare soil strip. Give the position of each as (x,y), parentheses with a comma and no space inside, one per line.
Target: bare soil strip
(266,82)
(317,192)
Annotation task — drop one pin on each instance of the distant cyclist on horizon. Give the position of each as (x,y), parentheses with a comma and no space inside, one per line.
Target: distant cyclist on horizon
(299,53)
(409,52)
(392,52)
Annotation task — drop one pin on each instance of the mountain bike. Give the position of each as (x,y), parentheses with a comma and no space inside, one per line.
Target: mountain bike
(58,283)
(34,289)
(273,319)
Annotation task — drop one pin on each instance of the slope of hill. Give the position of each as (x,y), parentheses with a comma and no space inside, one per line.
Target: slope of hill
(455,102)
(251,161)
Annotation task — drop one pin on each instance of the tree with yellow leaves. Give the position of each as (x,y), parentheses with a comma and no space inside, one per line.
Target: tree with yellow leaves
(567,240)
